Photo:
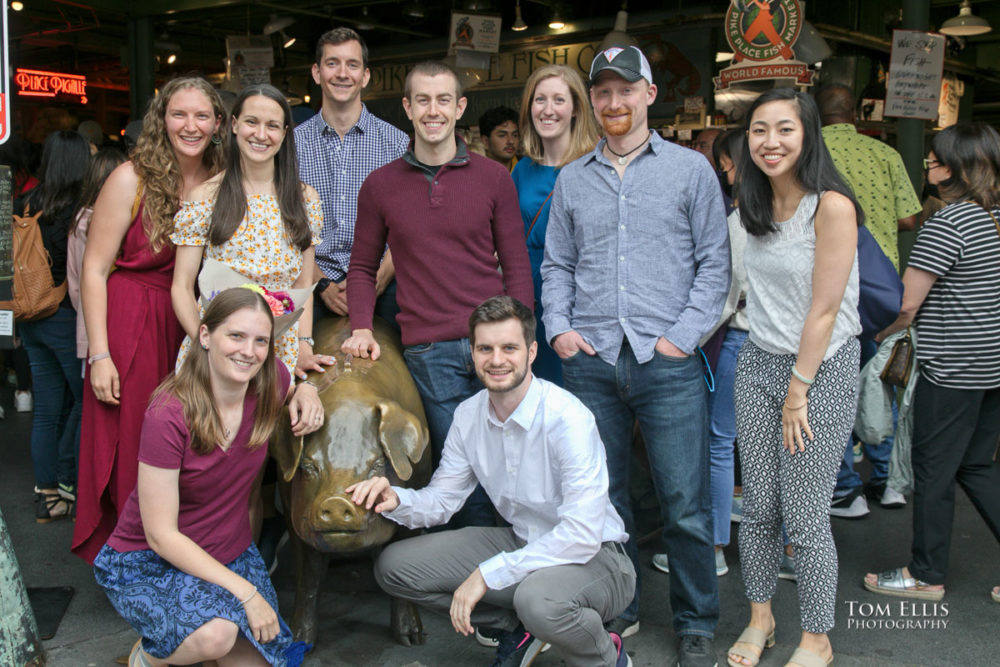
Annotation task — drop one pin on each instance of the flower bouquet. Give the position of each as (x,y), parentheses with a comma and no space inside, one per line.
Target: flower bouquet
(286,305)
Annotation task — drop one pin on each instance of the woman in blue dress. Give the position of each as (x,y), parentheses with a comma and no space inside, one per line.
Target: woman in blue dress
(556,127)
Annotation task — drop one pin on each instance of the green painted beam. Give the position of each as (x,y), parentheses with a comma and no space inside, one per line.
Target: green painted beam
(19,642)
(161,7)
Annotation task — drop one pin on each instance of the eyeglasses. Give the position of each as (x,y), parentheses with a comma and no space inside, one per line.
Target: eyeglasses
(930,164)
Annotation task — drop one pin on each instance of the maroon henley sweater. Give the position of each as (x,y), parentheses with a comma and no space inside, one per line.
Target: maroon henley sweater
(449,234)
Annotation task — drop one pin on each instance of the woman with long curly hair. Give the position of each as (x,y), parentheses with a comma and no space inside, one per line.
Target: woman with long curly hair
(125,288)
(257,218)
(557,127)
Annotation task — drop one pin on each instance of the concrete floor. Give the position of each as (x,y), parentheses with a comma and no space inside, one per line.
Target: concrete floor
(354,614)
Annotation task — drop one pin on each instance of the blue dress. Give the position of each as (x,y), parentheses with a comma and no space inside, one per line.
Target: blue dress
(534,183)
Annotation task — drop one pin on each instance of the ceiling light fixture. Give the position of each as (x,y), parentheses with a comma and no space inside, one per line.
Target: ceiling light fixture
(556,22)
(364,23)
(414,10)
(172,58)
(966,23)
(17,6)
(618,36)
(286,40)
(277,24)
(519,23)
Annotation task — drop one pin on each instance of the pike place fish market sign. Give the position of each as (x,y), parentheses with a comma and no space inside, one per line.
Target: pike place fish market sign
(762,34)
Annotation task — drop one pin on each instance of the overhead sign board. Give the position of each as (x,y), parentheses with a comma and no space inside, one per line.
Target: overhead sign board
(4,96)
(762,34)
(59,85)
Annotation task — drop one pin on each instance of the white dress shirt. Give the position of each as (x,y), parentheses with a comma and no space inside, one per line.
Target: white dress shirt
(545,470)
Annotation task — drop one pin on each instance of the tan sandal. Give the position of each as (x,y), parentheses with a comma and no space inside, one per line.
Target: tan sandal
(753,637)
(803,657)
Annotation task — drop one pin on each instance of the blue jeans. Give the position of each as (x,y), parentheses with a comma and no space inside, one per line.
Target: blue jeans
(668,397)
(57,382)
(879,454)
(445,376)
(722,425)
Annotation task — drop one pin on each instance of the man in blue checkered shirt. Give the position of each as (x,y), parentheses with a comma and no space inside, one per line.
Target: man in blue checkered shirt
(337,149)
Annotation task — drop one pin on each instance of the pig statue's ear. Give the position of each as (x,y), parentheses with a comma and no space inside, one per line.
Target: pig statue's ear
(403,437)
(286,448)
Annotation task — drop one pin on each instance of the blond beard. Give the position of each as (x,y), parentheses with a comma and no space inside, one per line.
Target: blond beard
(618,128)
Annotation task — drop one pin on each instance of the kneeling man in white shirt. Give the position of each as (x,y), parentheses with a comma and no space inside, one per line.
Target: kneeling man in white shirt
(560,571)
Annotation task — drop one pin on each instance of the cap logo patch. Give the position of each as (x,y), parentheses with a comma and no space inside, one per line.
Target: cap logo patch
(612,52)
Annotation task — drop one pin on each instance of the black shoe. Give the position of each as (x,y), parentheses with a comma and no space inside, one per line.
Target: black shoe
(696,651)
(488,637)
(874,490)
(517,648)
(622,627)
(851,506)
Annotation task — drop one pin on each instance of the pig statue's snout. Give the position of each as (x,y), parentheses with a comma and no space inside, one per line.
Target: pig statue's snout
(338,514)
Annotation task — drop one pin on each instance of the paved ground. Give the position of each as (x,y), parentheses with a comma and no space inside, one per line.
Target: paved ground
(354,614)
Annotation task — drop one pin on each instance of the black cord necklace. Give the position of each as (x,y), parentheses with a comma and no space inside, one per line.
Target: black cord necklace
(623,157)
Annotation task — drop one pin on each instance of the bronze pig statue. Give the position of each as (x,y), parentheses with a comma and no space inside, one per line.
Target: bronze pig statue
(375,425)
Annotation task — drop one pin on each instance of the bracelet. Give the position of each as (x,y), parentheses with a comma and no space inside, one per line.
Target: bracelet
(244,602)
(307,339)
(797,407)
(800,377)
(98,357)
(310,383)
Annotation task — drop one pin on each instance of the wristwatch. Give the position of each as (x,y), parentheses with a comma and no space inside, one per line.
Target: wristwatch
(308,339)
(322,285)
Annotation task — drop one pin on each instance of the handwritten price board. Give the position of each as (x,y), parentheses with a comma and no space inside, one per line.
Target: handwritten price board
(915,69)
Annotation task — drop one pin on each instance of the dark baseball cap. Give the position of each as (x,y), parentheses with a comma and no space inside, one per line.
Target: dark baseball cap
(628,62)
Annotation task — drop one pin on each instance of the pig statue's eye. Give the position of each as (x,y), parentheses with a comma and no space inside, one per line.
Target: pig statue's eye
(378,469)
(308,468)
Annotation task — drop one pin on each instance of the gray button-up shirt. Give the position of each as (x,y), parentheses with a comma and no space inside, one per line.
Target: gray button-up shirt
(643,256)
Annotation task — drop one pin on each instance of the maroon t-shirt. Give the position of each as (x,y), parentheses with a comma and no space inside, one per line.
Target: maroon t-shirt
(214,488)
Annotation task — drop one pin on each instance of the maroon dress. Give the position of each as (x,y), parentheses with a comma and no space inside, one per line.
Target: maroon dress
(143,338)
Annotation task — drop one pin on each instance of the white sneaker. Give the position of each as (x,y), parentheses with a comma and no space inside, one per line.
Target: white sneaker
(851,506)
(721,568)
(661,563)
(892,499)
(22,401)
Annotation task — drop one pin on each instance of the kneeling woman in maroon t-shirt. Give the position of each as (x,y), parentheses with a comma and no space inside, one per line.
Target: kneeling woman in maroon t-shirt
(181,566)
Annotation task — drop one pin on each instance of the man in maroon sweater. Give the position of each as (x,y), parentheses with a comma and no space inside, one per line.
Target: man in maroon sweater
(452,220)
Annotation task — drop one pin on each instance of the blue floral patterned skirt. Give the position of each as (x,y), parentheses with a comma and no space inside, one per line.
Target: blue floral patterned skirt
(165,605)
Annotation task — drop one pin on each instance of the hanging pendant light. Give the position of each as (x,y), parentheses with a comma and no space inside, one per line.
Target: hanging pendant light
(966,23)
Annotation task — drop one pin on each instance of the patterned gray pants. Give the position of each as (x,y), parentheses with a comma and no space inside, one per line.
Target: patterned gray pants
(794,489)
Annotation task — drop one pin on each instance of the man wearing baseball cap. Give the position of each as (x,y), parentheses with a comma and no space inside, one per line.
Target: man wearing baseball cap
(636,272)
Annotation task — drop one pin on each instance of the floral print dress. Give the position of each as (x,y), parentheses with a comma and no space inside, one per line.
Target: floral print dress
(260,249)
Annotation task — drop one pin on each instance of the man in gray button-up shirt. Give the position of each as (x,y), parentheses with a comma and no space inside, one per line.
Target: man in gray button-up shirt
(636,271)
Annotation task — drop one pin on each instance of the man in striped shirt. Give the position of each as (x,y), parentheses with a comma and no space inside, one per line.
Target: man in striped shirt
(337,149)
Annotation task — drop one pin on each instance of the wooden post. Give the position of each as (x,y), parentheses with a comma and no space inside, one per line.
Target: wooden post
(19,643)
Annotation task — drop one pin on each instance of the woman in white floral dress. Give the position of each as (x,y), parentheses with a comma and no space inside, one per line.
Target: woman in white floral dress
(257,218)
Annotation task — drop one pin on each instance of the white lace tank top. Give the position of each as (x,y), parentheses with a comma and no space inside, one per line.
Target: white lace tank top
(779,271)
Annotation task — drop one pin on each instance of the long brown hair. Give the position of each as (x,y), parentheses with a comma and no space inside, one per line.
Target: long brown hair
(192,386)
(156,165)
(583,129)
(231,200)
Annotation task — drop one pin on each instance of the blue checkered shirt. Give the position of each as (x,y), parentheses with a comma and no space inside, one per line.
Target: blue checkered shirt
(336,168)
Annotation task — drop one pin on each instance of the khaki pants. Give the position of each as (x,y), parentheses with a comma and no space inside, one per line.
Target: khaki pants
(564,605)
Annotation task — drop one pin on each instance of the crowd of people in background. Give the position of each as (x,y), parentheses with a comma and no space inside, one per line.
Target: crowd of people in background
(627,289)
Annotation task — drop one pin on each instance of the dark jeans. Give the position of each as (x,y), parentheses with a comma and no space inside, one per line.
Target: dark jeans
(955,434)
(56,376)
(669,398)
(445,376)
